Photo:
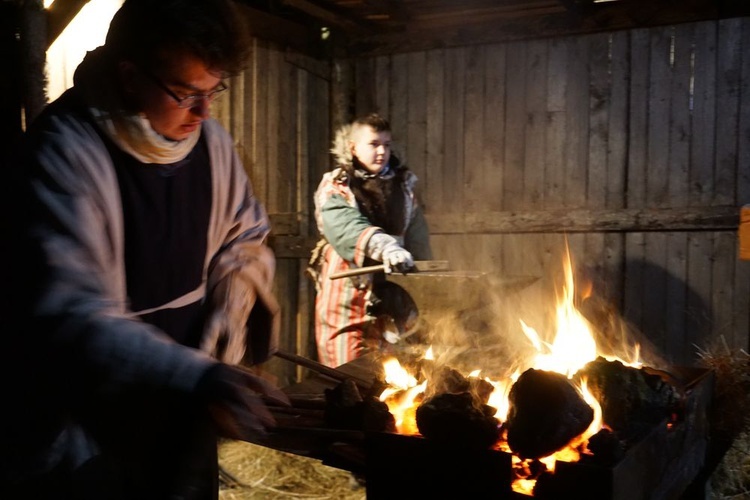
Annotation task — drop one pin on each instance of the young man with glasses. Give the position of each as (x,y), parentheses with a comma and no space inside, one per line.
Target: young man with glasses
(141,274)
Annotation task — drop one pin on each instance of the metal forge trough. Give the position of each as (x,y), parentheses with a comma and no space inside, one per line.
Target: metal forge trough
(664,464)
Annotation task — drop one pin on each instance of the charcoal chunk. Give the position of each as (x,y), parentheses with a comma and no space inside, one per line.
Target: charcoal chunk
(546,411)
(456,420)
(631,398)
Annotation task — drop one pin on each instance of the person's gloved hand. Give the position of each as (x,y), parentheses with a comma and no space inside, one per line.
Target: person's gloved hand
(234,399)
(385,248)
(225,330)
(395,258)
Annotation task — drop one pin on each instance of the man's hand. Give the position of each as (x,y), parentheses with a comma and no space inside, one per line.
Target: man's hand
(225,331)
(235,401)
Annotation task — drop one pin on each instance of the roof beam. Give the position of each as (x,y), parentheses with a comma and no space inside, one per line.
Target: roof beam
(59,15)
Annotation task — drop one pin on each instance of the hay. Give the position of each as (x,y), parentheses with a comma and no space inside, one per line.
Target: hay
(730,420)
(253,472)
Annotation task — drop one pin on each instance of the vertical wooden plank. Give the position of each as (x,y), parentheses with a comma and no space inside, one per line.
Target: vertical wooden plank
(596,185)
(491,166)
(382,87)
(742,273)
(699,317)
(417,117)
(453,166)
(679,151)
(577,124)
(535,123)
(342,92)
(729,68)
(303,204)
(657,176)
(258,126)
(636,183)
(729,72)
(555,146)
(432,182)
(617,150)
(493,132)
(365,86)
(515,105)
(319,127)
(474,200)
(515,117)
(399,105)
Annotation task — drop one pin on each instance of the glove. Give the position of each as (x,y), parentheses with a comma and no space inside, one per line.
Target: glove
(225,331)
(397,259)
(385,248)
(234,399)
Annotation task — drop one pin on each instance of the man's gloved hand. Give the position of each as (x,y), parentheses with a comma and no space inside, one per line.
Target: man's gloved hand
(225,330)
(234,398)
(385,248)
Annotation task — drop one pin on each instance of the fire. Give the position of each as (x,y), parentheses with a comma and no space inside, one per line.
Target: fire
(573,346)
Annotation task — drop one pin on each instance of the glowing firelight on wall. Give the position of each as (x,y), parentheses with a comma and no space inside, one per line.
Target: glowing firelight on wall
(85,32)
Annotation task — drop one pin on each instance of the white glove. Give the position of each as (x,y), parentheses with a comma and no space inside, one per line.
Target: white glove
(385,248)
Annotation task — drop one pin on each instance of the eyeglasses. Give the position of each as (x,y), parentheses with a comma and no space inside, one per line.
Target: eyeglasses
(191,100)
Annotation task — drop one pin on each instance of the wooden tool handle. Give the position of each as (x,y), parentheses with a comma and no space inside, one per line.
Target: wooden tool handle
(358,271)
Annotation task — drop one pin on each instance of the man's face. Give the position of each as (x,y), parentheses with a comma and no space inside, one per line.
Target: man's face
(182,75)
(371,148)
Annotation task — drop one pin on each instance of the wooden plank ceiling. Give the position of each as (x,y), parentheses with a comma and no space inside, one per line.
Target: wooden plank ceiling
(368,27)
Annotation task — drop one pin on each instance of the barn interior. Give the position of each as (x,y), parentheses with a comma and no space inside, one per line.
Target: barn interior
(613,135)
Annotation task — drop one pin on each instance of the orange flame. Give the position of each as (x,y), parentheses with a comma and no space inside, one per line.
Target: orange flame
(573,346)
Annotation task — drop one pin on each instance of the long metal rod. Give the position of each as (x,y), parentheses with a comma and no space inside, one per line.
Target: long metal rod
(320,368)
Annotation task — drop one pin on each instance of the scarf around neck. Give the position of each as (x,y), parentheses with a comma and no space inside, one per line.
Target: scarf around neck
(132,132)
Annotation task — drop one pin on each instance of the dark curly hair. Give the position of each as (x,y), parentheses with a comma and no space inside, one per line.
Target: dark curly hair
(211,30)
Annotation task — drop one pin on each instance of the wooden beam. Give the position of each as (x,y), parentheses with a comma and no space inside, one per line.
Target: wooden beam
(59,15)
(720,218)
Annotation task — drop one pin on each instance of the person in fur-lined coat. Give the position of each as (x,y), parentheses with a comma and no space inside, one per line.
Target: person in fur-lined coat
(140,272)
(366,212)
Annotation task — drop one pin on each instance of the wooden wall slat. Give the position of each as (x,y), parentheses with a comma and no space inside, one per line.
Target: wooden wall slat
(557,85)
(594,256)
(679,156)
(742,273)
(474,130)
(492,167)
(728,74)
(515,117)
(432,181)
(416,117)
(398,103)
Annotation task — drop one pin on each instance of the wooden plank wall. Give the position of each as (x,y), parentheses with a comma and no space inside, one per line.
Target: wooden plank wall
(278,113)
(654,123)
